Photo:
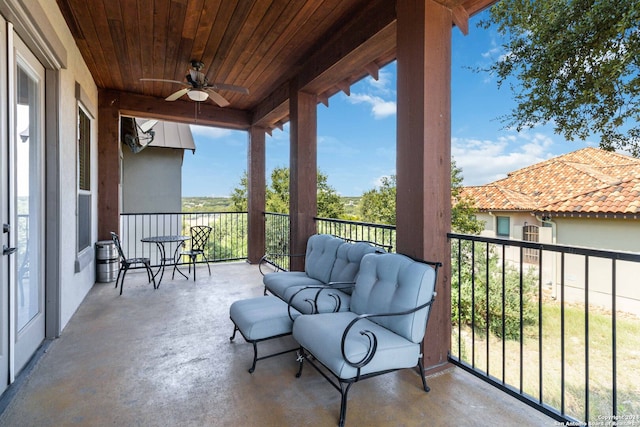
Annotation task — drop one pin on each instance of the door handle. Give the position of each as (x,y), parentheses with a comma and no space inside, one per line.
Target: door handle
(8,251)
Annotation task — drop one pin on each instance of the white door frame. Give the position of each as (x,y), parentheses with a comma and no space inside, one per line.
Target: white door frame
(4,216)
(25,341)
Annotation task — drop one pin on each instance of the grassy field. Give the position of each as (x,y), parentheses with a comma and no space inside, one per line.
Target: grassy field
(599,353)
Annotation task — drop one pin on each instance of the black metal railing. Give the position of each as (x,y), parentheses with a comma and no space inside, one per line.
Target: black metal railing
(379,234)
(277,239)
(228,240)
(277,235)
(560,334)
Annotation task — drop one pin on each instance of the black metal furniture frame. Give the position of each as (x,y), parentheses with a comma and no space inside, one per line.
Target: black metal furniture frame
(343,385)
(255,346)
(199,240)
(164,260)
(126,263)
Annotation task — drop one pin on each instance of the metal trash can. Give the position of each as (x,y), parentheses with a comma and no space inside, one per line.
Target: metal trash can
(106,261)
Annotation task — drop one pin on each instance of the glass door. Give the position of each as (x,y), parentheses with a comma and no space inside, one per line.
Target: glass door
(4,214)
(26,205)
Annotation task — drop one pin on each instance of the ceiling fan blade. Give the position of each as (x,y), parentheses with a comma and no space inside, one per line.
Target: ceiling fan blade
(164,80)
(233,88)
(177,94)
(217,98)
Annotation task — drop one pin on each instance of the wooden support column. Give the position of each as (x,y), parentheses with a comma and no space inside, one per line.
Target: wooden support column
(303,171)
(256,193)
(423,215)
(108,165)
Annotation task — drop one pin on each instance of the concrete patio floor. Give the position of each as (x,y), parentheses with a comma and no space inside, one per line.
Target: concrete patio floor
(163,358)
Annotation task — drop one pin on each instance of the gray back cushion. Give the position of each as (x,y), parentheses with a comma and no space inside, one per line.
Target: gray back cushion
(321,254)
(348,258)
(393,283)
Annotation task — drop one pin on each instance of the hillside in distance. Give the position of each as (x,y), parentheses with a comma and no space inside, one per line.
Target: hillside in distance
(224,204)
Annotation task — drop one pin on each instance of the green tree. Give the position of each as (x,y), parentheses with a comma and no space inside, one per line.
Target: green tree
(577,65)
(239,195)
(463,211)
(379,205)
(277,195)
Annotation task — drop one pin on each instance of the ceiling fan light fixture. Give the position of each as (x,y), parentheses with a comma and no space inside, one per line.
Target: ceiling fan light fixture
(197,95)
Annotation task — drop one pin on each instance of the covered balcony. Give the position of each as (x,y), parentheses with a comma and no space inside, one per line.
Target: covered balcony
(163,357)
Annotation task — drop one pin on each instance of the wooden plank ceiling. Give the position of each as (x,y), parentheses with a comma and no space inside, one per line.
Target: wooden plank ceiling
(261,45)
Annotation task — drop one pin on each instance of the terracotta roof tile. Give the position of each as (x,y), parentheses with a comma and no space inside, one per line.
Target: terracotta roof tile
(588,180)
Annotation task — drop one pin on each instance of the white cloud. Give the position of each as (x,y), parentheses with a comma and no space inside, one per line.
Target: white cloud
(485,161)
(379,107)
(210,132)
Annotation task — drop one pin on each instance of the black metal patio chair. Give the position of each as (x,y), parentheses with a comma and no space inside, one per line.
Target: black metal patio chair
(126,263)
(199,241)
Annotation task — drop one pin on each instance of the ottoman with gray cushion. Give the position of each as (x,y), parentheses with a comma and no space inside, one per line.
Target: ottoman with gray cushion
(260,319)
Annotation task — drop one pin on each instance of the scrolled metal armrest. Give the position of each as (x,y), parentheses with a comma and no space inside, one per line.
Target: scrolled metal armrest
(314,302)
(265,260)
(336,297)
(373,340)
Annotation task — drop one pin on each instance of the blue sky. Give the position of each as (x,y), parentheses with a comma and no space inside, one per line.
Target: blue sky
(357,133)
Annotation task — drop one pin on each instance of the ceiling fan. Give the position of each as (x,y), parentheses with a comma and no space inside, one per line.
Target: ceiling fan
(198,88)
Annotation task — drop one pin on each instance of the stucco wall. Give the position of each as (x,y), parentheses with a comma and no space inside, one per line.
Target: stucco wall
(73,285)
(151,180)
(596,233)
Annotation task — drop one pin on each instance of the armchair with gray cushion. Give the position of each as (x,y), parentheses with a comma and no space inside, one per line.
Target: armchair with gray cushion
(382,331)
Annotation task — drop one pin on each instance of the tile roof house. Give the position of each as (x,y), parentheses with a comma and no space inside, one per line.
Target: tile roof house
(589,183)
(588,198)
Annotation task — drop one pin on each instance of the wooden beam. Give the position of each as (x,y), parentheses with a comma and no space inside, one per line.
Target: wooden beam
(273,107)
(189,112)
(256,197)
(349,41)
(303,172)
(344,86)
(461,19)
(423,215)
(372,68)
(108,165)
(365,38)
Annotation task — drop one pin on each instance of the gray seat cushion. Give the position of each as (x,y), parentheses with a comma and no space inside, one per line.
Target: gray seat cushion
(393,283)
(261,317)
(319,259)
(348,258)
(321,335)
(278,283)
(321,255)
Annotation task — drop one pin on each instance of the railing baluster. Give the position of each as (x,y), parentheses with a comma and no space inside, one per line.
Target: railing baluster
(614,357)
(586,339)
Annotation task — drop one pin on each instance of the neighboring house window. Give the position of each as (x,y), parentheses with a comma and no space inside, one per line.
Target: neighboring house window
(530,234)
(503,226)
(84,180)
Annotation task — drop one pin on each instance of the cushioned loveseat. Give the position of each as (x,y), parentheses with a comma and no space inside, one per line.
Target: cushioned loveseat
(329,261)
(381,332)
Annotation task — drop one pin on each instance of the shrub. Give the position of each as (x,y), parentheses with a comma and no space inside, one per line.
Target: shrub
(469,298)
